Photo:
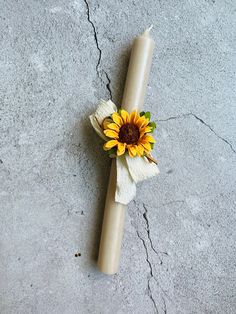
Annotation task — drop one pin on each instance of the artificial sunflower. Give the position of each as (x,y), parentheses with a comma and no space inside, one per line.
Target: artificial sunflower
(129,132)
(124,132)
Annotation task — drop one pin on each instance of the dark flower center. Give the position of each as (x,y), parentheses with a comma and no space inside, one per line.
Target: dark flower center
(129,133)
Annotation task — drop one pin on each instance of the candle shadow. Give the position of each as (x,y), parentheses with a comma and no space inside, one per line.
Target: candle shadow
(101,165)
(118,82)
(84,138)
(83,134)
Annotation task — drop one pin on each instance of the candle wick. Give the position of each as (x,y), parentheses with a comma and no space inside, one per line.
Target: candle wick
(147,31)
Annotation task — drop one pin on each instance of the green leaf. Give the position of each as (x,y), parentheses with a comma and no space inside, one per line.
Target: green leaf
(148,115)
(112,151)
(119,111)
(152,125)
(142,113)
(152,145)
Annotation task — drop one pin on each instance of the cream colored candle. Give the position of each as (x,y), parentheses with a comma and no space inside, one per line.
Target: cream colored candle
(114,215)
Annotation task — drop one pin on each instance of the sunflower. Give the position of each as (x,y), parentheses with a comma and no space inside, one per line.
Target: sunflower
(129,132)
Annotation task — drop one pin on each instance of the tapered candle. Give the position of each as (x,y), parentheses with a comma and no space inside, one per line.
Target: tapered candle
(133,98)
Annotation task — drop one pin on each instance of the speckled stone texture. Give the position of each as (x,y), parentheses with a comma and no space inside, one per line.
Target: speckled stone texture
(58,58)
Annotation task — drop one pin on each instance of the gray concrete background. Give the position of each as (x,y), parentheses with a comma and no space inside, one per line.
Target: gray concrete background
(57,59)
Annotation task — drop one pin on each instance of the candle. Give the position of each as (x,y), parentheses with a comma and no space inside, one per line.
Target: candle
(133,98)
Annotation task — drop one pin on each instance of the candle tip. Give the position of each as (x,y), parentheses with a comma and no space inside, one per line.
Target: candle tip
(147,31)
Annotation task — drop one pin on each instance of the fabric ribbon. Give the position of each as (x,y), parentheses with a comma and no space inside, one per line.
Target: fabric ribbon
(130,170)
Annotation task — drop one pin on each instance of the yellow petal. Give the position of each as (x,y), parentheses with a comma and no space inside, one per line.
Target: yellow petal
(113,126)
(125,116)
(132,150)
(145,123)
(140,150)
(148,138)
(121,148)
(147,146)
(142,122)
(144,130)
(147,129)
(117,118)
(133,116)
(110,133)
(108,145)
(105,122)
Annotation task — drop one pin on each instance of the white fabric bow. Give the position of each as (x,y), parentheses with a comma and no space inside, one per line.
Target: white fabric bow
(129,170)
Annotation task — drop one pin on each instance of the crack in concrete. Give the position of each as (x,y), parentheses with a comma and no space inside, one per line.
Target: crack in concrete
(150,271)
(108,85)
(99,72)
(149,236)
(164,303)
(174,117)
(95,35)
(204,123)
(212,130)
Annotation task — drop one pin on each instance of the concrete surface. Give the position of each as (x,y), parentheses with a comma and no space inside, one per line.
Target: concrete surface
(58,58)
